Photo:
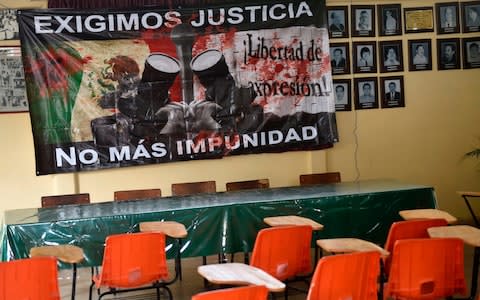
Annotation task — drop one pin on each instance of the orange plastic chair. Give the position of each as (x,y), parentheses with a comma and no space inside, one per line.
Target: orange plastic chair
(252,292)
(131,261)
(283,251)
(30,278)
(346,276)
(412,229)
(426,269)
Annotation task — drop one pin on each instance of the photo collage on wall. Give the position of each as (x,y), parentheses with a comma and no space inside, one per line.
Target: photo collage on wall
(367,49)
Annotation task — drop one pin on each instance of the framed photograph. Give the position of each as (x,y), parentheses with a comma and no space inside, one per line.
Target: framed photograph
(366,93)
(8,24)
(471,53)
(447,17)
(337,21)
(471,16)
(448,54)
(364,57)
(389,19)
(391,56)
(418,19)
(392,92)
(363,20)
(13,96)
(343,94)
(419,55)
(340,58)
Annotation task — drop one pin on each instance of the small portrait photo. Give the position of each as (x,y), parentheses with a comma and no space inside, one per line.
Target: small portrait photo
(340,58)
(392,92)
(363,20)
(8,24)
(447,17)
(389,19)
(364,57)
(471,16)
(471,53)
(342,92)
(448,54)
(337,21)
(419,55)
(392,56)
(366,93)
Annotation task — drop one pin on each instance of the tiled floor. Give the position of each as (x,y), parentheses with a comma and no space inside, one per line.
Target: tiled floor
(191,284)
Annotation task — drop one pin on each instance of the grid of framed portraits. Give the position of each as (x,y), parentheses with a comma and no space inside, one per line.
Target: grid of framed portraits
(369,56)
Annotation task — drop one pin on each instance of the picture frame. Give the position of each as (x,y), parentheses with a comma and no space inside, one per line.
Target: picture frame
(418,19)
(338,25)
(340,58)
(366,96)
(391,56)
(471,52)
(392,91)
(448,54)
(389,19)
(8,24)
(364,57)
(363,20)
(447,17)
(342,93)
(470,16)
(420,55)
(13,96)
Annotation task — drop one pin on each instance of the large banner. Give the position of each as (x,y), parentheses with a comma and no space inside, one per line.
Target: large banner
(119,88)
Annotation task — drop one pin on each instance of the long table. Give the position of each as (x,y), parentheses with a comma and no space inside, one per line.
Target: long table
(223,222)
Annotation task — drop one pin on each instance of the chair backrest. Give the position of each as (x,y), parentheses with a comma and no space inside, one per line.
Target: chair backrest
(252,292)
(133,259)
(30,278)
(320,178)
(346,276)
(283,251)
(52,201)
(136,194)
(411,229)
(191,188)
(248,184)
(427,269)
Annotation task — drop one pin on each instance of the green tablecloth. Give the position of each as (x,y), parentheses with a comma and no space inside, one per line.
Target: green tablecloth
(226,221)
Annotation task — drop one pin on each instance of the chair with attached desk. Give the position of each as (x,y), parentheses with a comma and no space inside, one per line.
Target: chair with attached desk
(426,269)
(248,184)
(346,276)
(133,262)
(282,252)
(320,178)
(65,253)
(128,195)
(29,278)
(411,229)
(251,292)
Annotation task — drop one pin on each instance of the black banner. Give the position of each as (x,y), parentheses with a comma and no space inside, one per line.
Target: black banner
(117,88)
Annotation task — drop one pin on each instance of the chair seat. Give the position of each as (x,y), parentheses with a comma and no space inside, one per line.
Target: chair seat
(240,274)
(292,220)
(428,213)
(348,245)
(171,228)
(64,253)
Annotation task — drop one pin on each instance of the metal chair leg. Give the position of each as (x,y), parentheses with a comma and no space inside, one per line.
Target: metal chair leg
(74,280)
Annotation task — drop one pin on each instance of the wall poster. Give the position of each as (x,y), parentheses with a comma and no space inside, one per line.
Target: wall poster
(119,88)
